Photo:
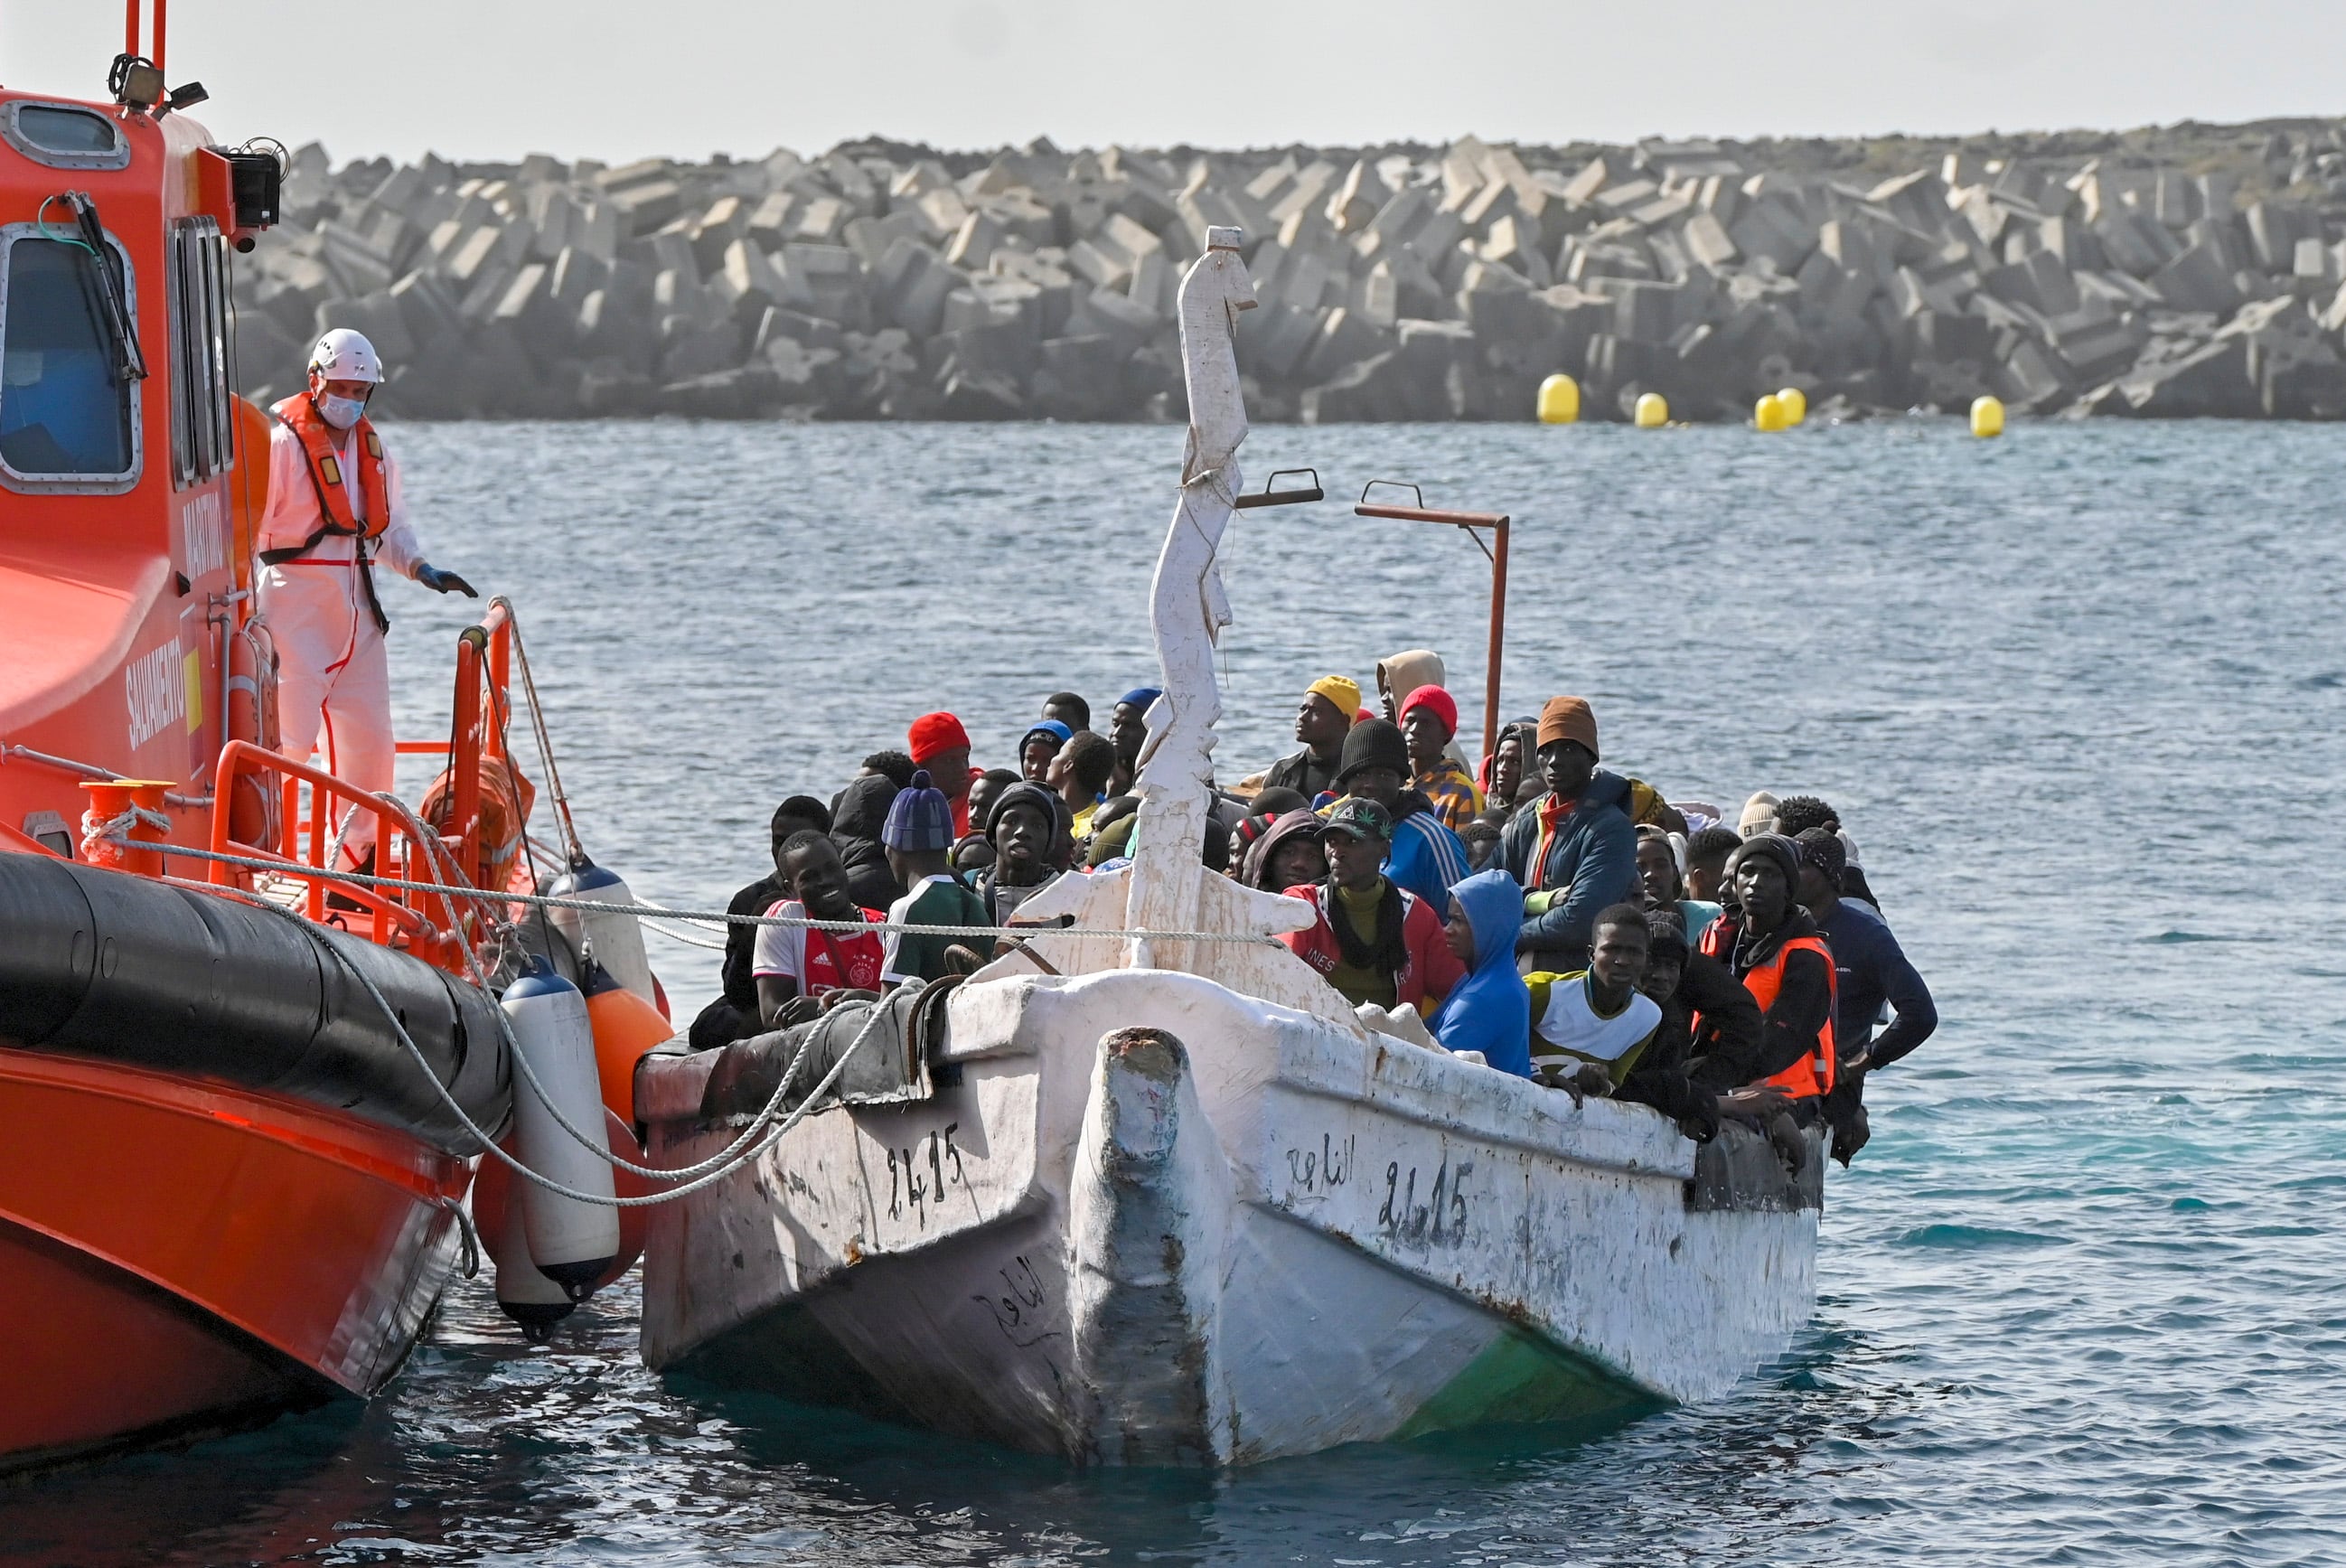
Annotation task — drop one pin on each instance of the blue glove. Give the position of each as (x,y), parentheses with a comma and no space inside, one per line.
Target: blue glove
(441,582)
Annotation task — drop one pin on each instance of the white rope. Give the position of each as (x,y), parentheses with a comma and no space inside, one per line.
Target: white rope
(707,917)
(590,1141)
(811,1101)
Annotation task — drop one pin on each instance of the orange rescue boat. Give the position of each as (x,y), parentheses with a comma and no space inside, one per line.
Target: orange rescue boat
(229,1183)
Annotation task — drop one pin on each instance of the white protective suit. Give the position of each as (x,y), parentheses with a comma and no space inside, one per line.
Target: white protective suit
(330,651)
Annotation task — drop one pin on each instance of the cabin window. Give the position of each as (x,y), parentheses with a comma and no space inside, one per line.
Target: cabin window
(202,417)
(68,411)
(64,135)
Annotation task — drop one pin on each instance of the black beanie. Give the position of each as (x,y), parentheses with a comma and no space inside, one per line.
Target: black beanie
(1374,743)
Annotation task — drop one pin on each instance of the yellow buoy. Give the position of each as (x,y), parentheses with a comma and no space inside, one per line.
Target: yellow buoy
(1559,401)
(1987,417)
(1770,414)
(1796,404)
(1653,411)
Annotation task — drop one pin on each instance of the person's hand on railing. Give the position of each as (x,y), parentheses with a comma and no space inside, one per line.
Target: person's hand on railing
(441,582)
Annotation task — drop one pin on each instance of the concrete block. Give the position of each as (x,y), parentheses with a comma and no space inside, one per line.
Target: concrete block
(1100,265)
(643,209)
(2040,283)
(2228,237)
(480,299)
(1358,199)
(1080,378)
(2171,203)
(811,332)
(2028,377)
(376,314)
(944,208)
(725,221)
(1155,285)
(2274,229)
(1344,338)
(870,238)
(1023,217)
(594,229)
(2097,349)
(702,350)
(1594,175)
(2198,279)
(671,252)
(745,284)
(1104,313)
(1371,390)
(676,293)
(1774,230)
(1273,340)
(539,322)
(357,266)
(427,309)
(1271,185)
(2134,244)
(1007,351)
(552,214)
(820,221)
(909,287)
(2071,239)
(576,274)
(1918,201)
(984,301)
(2210,381)
(1708,241)
(769,221)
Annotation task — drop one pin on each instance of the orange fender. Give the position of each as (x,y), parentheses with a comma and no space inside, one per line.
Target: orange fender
(626,1026)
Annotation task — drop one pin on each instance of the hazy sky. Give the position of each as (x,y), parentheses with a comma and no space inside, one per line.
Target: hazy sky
(621,78)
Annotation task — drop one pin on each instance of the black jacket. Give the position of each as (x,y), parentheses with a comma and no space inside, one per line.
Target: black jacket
(1303,773)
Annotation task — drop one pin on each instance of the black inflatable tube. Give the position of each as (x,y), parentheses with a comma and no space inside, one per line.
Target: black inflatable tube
(103,964)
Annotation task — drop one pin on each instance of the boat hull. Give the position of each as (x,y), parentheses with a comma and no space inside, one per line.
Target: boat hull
(1233,1233)
(178,1256)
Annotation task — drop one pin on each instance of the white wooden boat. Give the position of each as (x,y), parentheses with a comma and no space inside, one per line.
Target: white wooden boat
(1165,1199)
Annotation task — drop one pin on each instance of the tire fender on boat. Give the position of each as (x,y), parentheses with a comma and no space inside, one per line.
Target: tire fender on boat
(571,1241)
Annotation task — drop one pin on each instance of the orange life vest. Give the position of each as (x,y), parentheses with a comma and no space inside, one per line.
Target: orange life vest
(324,465)
(1814,1074)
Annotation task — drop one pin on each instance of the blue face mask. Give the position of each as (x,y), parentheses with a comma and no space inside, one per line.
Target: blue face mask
(342,413)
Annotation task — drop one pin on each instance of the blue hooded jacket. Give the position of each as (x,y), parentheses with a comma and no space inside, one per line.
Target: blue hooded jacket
(1490,1011)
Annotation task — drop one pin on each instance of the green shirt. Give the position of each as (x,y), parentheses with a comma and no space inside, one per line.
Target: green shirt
(1359,985)
(935,901)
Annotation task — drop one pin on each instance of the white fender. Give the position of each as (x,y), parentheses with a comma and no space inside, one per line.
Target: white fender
(571,1242)
(532,1300)
(617,937)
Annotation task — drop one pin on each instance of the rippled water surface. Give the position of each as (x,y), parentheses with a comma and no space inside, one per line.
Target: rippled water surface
(2077,694)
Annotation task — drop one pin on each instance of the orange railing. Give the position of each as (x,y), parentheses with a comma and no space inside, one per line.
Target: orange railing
(422,923)
(394,916)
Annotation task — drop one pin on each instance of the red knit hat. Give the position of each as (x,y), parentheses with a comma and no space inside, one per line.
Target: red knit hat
(1445,705)
(934,732)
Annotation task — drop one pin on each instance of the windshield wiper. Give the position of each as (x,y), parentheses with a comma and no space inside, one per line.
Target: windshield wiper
(116,311)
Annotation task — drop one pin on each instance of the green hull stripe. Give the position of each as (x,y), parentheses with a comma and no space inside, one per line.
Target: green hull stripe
(1520,1377)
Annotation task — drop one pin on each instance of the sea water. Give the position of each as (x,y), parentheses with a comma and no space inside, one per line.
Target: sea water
(2077,694)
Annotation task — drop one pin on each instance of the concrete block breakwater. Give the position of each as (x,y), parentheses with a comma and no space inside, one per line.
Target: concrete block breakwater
(2195,270)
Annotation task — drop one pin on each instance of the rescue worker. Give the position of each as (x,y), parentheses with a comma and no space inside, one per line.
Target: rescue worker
(335,510)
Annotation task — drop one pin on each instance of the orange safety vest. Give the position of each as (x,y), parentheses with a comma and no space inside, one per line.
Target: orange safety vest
(325,469)
(1814,1074)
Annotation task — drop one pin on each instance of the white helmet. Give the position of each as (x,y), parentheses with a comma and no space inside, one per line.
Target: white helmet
(343,355)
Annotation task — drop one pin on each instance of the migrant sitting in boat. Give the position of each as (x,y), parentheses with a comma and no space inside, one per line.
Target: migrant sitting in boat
(1583,931)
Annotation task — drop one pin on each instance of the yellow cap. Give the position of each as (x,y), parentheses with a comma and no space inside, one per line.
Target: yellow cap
(1343,693)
